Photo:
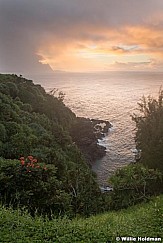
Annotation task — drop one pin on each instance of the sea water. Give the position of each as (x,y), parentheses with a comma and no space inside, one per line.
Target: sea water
(111,96)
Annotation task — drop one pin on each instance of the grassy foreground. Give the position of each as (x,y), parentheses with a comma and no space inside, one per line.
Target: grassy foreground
(142,220)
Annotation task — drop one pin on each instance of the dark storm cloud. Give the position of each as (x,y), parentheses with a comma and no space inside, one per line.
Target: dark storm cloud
(27,24)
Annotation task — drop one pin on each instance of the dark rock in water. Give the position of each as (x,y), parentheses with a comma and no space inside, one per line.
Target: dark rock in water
(101,127)
(85,133)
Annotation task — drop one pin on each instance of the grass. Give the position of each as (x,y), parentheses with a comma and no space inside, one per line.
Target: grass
(141,220)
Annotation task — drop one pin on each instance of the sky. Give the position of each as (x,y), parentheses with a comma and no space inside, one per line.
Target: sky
(42,36)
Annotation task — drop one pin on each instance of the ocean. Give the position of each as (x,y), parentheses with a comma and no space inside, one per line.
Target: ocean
(111,96)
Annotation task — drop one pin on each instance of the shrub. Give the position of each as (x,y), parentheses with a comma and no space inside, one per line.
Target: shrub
(32,185)
(132,184)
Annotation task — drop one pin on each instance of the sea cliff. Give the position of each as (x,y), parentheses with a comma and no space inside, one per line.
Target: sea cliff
(85,133)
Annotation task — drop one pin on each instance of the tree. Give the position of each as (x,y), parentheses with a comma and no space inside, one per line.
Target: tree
(149,134)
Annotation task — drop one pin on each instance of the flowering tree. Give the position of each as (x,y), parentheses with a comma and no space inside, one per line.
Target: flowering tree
(32,185)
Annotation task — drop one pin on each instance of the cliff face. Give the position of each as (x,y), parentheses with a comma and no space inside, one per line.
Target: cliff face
(32,99)
(85,133)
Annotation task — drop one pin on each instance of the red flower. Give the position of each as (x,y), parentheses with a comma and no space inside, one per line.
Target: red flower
(22,162)
(30,157)
(28,162)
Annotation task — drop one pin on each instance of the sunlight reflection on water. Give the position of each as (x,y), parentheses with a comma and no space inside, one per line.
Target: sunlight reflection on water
(111,96)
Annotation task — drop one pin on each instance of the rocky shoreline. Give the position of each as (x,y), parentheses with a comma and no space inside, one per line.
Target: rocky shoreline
(85,133)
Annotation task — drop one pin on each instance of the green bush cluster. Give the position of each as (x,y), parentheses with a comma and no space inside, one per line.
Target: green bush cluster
(34,186)
(132,184)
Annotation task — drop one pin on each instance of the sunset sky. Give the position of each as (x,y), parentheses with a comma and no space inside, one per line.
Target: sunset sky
(39,36)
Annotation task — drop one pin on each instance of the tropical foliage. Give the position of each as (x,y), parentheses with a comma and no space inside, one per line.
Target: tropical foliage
(132,184)
(42,170)
(149,135)
(137,182)
(34,123)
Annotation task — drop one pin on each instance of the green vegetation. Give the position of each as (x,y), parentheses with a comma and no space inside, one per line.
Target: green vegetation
(133,184)
(149,136)
(138,182)
(141,220)
(34,123)
(45,180)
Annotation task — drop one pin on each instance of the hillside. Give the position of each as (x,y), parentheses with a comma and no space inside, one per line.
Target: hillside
(47,188)
(144,220)
(52,174)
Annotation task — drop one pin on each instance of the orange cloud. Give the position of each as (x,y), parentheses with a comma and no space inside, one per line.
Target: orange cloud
(95,47)
(74,36)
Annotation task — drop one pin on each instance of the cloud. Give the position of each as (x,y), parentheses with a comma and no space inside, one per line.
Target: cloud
(129,66)
(137,66)
(55,31)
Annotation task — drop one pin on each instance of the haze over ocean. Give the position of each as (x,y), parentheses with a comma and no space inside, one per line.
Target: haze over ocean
(112,96)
